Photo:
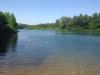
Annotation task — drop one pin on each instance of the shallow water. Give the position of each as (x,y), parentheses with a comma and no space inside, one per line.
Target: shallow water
(38,52)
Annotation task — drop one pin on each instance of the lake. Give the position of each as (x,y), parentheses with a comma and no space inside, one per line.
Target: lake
(38,52)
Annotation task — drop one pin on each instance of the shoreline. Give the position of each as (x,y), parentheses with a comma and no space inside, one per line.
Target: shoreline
(8,33)
(81,32)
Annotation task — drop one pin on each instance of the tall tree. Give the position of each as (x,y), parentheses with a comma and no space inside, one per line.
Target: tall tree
(7,22)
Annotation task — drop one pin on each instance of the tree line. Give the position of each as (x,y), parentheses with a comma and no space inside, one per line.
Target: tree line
(7,22)
(75,23)
(81,22)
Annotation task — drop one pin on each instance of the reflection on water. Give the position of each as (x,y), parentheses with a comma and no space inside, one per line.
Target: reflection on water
(80,33)
(6,42)
(48,53)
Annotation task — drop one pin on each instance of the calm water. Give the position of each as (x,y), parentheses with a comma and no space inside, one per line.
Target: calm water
(50,52)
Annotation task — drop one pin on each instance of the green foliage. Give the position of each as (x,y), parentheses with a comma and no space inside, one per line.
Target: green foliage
(95,21)
(7,22)
(75,23)
(22,26)
(2,21)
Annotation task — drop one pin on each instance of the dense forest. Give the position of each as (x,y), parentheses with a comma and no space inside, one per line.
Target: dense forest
(75,23)
(8,22)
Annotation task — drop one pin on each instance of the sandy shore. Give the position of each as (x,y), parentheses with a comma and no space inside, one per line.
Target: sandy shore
(53,69)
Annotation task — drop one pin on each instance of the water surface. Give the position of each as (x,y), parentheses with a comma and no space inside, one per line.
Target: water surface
(50,53)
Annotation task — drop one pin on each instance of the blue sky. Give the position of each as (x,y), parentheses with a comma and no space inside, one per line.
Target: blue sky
(42,11)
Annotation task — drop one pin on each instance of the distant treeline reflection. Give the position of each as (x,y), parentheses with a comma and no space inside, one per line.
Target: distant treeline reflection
(7,42)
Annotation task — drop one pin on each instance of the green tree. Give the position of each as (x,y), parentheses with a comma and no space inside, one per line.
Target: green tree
(95,21)
(7,22)
(2,22)
(11,21)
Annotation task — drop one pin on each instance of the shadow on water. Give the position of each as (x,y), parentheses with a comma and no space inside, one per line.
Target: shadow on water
(79,33)
(7,42)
